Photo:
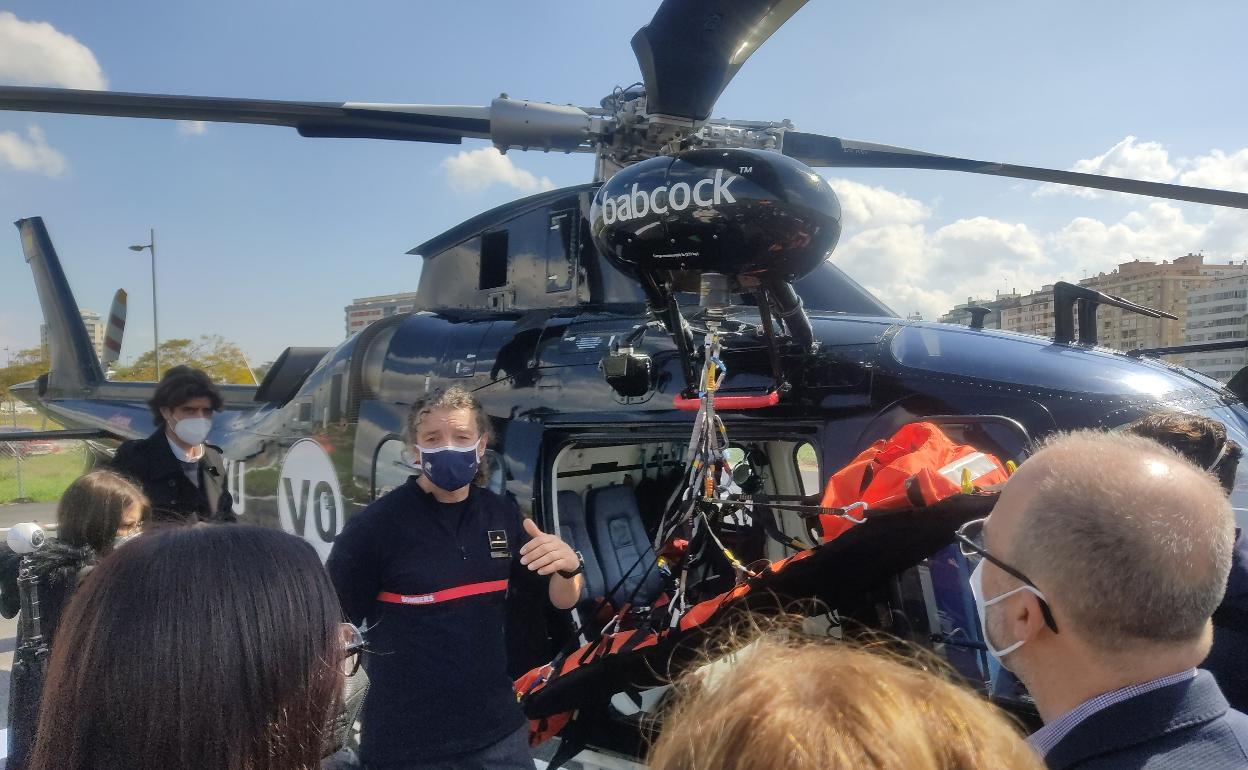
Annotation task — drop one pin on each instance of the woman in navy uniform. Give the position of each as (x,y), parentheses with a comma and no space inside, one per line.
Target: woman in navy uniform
(427,568)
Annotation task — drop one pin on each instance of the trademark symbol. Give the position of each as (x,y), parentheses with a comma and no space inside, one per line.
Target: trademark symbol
(745,169)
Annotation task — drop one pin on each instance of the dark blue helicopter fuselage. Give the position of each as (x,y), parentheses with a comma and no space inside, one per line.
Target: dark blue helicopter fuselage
(521,310)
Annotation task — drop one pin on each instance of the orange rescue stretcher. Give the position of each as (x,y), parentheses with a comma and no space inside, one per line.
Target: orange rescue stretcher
(918,487)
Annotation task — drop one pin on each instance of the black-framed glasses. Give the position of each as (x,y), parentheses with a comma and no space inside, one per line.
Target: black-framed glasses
(353,645)
(970,538)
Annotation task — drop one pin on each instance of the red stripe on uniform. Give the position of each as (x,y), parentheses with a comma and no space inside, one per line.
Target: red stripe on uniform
(445,595)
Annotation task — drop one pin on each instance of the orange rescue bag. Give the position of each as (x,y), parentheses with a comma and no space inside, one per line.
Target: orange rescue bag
(918,466)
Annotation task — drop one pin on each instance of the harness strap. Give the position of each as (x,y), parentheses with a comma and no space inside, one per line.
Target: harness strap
(445,595)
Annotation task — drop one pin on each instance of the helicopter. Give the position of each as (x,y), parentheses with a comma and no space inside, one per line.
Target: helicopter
(574,316)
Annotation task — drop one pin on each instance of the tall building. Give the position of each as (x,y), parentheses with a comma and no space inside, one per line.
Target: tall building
(961,314)
(1163,286)
(364,310)
(1217,313)
(1029,313)
(96,330)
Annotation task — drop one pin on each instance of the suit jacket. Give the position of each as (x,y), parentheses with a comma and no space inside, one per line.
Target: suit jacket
(150,462)
(1228,660)
(1185,726)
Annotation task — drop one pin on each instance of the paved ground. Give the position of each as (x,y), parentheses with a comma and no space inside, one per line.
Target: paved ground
(15,514)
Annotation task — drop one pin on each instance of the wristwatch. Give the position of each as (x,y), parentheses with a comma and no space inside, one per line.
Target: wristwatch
(580,567)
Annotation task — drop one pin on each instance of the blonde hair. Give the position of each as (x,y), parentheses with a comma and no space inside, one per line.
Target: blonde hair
(806,704)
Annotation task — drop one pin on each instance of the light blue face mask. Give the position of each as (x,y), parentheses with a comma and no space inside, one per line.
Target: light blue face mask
(449,468)
(982,605)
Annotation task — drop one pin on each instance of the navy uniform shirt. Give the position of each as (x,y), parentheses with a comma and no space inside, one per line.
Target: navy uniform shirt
(438,660)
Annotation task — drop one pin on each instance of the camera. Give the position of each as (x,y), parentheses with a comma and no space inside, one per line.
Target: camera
(26,537)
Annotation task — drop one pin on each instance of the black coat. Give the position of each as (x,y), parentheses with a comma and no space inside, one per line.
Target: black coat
(150,463)
(1228,660)
(58,567)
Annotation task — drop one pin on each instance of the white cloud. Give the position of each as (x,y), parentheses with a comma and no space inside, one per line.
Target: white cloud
(893,246)
(1129,158)
(34,53)
(1150,161)
(1219,170)
(31,153)
(864,206)
(475,170)
(192,127)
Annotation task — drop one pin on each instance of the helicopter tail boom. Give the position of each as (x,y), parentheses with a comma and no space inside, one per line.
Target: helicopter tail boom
(74,367)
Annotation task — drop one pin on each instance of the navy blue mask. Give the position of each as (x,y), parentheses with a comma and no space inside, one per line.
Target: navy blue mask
(449,467)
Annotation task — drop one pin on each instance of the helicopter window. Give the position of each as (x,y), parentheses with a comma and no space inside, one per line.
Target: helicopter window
(391,466)
(493,260)
(807,461)
(559,262)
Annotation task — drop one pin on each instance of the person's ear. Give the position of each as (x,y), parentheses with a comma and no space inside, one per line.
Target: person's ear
(1024,617)
(167,413)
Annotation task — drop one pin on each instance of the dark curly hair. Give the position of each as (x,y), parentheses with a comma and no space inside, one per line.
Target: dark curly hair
(1202,440)
(179,385)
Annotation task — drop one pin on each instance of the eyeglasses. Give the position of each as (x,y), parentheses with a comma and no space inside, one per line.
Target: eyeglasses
(352,645)
(971,541)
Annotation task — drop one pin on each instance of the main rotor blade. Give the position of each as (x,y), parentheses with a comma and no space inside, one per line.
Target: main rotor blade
(412,122)
(691,49)
(829,151)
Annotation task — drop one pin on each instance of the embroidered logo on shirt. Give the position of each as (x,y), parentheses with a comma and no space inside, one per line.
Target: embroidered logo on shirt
(498,544)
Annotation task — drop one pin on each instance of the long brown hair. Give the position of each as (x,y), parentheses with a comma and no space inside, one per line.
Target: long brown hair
(90,509)
(208,647)
(801,704)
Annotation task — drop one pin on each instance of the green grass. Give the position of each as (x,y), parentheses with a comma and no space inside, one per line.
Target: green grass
(32,421)
(44,477)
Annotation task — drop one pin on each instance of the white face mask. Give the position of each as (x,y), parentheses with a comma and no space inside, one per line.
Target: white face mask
(193,430)
(982,605)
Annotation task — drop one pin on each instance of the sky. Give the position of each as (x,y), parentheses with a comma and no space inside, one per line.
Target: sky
(263,237)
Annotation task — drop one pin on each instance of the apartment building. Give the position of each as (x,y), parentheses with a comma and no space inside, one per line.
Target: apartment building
(364,310)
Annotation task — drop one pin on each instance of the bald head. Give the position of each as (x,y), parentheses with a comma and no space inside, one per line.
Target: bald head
(1127,538)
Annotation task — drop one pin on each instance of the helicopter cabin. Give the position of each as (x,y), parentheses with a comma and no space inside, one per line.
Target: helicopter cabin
(525,255)
(537,253)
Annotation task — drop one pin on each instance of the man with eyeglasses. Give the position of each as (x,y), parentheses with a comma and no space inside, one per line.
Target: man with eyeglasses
(1095,577)
(1204,441)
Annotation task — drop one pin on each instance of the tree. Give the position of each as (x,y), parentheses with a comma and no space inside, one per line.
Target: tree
(25,365)
(223,361)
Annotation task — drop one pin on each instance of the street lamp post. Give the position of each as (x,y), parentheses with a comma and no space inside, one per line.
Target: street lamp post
(151,246)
